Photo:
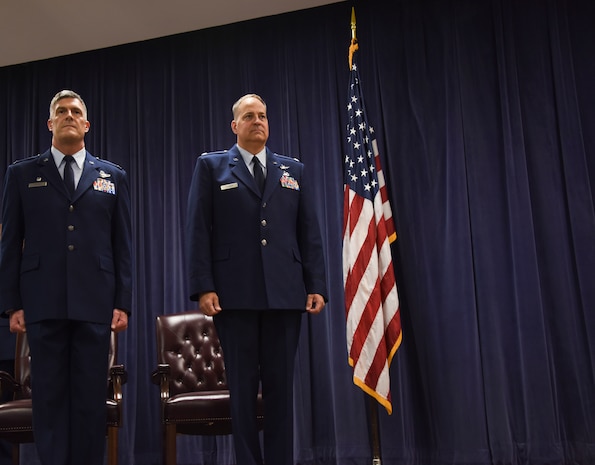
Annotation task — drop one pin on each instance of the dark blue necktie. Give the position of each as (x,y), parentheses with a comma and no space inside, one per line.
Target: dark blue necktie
(69,174)
(258,174)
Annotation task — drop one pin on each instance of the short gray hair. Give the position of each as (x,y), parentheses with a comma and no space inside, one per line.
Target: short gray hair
(67,94)
(234,108)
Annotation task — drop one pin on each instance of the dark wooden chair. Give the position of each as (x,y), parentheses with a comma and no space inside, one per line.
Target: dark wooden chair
(16,415)
(191,375)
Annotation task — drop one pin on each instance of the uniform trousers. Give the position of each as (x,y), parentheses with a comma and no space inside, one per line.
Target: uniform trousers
(259,349)
(69,363)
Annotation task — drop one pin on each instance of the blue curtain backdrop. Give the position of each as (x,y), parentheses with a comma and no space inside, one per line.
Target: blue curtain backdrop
(485,117)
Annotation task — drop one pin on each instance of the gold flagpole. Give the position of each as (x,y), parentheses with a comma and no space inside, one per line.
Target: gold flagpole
(353,47)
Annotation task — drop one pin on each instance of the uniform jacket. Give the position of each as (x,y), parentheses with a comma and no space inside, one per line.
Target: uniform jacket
(256,251)
(61,257)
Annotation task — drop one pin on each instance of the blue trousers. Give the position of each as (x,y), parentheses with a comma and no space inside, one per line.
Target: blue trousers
(259,348)
(69,361)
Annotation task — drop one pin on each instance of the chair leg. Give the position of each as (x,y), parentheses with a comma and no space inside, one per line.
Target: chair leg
(169,445)
(112,445)
(16,453)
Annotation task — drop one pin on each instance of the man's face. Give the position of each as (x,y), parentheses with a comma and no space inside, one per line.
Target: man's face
(68,121)
(251,124)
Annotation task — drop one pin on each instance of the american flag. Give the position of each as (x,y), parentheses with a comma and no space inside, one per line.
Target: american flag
(371,298)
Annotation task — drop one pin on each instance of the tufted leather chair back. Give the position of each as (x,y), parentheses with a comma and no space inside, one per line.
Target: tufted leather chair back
(188,343)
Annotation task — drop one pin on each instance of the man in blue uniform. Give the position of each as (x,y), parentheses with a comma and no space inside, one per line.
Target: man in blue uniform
(66,279)
(256,264)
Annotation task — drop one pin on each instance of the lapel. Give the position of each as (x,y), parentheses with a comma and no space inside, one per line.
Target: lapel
(49,171)
(273,174)
(89,174)
(241,171)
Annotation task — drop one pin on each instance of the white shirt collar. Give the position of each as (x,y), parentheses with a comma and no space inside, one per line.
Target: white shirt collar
(79,157)
(247,157)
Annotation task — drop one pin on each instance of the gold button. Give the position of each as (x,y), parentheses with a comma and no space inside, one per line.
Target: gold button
(263,222)
(71,247)
(70,227)
(263,242)
(71,208)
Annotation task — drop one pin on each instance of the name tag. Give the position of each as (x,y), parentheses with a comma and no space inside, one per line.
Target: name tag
(38,184)
(232,185)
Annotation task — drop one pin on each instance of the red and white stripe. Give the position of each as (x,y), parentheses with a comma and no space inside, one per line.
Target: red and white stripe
(371,298)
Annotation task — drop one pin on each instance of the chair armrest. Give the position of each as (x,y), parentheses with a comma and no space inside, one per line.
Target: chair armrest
(8,383)
(161,377)
(120,372)
(118,377)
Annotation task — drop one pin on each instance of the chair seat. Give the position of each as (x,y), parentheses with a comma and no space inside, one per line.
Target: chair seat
(197,406)
(17,414)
